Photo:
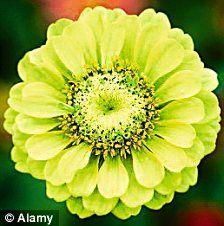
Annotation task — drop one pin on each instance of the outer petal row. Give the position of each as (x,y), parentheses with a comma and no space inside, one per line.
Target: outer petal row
(46,104)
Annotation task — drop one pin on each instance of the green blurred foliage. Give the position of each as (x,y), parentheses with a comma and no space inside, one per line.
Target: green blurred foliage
(23,28)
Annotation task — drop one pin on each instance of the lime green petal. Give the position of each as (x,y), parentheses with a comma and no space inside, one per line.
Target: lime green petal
(96,20)
(51,171)
(159,61)
(112,43)
(18,155)
(179,134)
(183,187)
(32,57)
(209,79)
(36,106)
(98,204)
(22,68)
(103,11)
(30,125)
(75,158)
(40,107)
(131,26)
(215,124)
(70,53)
(36,168)
(85,13)
(85,180)
(190,110)
(40,89)
(190,175)
(123,212)
(119,12)
(149,16)
(113,15)
(16,104)
(81,34)
(51,60)
(191,62)
(207,135)
(58,27)
(41,72)
(19,139)
(189,178)
(184,39)
(16,90)
(146,39)
(196,152)
(161,17)
(100,9)
(148,170)
(10,116)
(169,184)
(158,201)
(112,170)
(108,15)
(136,195)
(211,105)
(97,14)
(182,84)
(21,167)
(172,157)
(58,193)
(47,145)
(15,96)
(75,206)
(146,16)
(35,56)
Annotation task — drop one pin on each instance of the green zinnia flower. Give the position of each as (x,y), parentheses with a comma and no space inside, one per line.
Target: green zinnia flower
(113,112)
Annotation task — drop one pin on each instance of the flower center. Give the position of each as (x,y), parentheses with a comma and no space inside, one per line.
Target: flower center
(114,109)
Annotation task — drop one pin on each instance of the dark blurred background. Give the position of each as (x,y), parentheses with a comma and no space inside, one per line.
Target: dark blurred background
(23,25)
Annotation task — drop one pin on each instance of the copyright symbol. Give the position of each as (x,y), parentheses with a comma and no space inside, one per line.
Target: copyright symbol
(9,217)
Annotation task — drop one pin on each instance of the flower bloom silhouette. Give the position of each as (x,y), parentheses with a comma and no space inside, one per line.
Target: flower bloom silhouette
(114,112)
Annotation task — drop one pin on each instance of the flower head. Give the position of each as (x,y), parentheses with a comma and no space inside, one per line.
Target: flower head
(114,112)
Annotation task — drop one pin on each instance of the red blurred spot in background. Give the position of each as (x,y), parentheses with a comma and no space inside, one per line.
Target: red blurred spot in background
(55,9)
(201,216)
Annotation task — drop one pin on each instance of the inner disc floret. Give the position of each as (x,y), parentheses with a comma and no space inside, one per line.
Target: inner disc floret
(114,109)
